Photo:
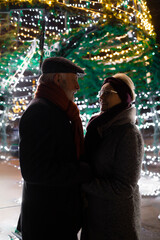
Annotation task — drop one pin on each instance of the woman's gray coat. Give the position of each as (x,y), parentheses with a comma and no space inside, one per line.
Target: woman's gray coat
(112,210)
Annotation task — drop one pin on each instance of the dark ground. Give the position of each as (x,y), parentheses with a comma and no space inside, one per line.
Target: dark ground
(10,194)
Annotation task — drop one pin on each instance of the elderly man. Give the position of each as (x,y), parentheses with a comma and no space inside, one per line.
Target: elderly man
(51,145)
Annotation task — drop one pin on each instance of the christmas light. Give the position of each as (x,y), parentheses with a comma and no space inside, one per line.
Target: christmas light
(81,31)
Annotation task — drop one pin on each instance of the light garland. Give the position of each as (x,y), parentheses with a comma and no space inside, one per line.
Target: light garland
(143,16)
(128,47)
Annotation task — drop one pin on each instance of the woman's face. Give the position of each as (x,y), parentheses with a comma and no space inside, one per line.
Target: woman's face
(108,97)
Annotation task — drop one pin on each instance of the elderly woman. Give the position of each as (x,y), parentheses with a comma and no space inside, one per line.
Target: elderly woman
(114,150)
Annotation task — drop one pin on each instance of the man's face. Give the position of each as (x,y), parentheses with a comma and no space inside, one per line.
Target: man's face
(69,83)
(108,97)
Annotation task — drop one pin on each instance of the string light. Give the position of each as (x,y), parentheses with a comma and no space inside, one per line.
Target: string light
(106,49)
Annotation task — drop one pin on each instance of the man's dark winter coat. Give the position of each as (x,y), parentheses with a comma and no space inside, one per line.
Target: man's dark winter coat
(51,203)
(113,202)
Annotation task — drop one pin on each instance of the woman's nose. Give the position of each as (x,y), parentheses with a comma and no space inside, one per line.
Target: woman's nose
(101,96)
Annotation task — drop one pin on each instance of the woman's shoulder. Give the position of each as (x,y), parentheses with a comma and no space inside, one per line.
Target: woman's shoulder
(131,132)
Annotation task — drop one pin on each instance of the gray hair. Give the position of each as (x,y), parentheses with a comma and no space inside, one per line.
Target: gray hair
(46,77)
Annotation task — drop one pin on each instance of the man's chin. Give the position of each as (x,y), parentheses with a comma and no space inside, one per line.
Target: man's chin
(73,98)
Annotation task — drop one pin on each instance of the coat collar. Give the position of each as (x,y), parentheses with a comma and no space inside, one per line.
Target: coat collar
(126,116)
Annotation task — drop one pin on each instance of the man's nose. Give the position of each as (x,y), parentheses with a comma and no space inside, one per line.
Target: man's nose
(77,86)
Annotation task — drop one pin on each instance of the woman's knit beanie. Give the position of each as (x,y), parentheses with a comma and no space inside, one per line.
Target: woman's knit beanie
(123,85)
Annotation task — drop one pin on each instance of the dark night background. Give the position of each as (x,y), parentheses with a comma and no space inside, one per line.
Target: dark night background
(154,7)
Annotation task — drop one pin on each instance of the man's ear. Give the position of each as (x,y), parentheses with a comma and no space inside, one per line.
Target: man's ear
(56,79)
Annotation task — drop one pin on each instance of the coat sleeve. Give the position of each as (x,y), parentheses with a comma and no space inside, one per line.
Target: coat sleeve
(125,171)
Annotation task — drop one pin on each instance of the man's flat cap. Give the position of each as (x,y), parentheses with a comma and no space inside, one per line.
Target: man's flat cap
(60,65)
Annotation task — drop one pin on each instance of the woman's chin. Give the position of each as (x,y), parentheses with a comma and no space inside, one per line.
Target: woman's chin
(104,108)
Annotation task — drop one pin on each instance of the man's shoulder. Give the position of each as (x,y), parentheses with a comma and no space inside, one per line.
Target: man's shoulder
(41,104)
(36,102)
(43,107)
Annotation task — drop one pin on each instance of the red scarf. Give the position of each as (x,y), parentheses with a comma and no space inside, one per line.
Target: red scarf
(56,95)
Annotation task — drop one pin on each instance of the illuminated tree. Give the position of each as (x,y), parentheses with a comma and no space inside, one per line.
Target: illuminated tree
(103,37)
